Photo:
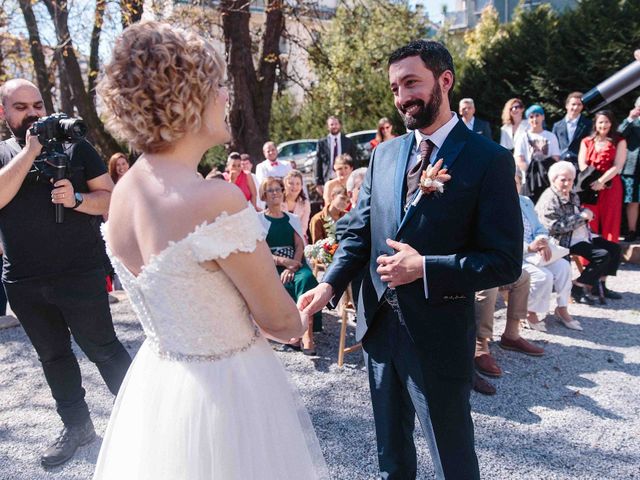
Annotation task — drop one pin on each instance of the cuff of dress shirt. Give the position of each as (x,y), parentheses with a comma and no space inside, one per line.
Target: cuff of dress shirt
(424,277)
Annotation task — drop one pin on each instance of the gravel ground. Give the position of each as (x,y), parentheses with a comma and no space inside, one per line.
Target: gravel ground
(573,413)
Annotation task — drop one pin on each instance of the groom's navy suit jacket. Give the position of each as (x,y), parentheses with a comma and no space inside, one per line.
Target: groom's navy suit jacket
(470,235)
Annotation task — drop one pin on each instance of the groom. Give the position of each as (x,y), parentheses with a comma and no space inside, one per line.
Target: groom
(424,255)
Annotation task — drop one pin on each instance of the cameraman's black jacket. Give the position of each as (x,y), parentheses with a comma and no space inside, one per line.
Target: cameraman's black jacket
(34,245)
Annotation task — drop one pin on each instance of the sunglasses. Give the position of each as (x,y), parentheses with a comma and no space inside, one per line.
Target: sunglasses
(516,107)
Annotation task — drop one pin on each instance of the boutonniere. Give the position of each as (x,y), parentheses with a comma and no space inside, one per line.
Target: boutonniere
(432,180)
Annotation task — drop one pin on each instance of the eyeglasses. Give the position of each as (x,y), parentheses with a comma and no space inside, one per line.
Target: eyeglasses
(273,190)
(387,127)
(516,107)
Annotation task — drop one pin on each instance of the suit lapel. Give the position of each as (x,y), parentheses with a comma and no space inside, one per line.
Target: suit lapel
(562,130)
(401,176)
(449,152)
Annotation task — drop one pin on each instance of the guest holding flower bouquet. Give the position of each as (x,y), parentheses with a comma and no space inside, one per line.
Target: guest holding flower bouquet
(284,237)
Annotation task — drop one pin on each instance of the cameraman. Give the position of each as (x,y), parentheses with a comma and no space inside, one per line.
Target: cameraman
(53,272)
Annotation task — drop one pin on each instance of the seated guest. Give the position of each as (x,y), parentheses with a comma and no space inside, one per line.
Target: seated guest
(354,182)
(343,166)
(284,237)
(235,174)
(485,306)
(543,279)
(296,201)
(323,222)
(560,213)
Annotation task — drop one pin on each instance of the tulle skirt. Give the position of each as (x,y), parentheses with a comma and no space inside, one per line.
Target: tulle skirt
(235,418)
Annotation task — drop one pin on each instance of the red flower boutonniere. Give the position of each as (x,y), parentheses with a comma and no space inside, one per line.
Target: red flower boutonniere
(432,180)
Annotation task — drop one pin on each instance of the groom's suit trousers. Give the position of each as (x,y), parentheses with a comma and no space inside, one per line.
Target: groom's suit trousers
(401,389)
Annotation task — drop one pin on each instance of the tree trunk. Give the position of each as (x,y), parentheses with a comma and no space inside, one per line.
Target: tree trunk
(102,140)
(94,54)
(252,91)
(131,11)
(66,97)
(39,64)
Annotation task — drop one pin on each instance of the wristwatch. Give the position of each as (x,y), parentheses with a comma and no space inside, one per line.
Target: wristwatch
(79,199)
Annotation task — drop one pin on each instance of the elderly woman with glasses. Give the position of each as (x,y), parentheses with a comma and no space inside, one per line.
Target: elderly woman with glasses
(513,125)
(560,213)
(285,240)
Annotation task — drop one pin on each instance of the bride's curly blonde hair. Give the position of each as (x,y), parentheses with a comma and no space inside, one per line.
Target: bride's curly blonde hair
(157,85)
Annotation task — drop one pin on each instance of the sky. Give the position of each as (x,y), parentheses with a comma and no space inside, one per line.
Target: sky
(434,8)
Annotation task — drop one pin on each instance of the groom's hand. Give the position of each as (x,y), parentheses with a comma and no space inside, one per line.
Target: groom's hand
(315,299)
(404,266)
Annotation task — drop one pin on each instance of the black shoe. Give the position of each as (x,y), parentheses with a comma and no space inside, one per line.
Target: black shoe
(610,293)
(71,437)
(580,296)
(480,385)
(630,237)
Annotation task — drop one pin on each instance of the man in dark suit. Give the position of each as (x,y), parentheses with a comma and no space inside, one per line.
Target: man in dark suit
(467,111)
(630,175)
(329,148)
(572,128)
(425,254)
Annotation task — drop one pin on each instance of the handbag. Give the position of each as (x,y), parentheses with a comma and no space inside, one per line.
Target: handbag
(557,252)
(584,179)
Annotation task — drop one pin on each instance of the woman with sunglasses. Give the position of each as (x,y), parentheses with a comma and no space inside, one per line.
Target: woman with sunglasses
(512,123)
(383,133)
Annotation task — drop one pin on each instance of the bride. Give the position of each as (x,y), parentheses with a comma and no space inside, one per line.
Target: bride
(205,397)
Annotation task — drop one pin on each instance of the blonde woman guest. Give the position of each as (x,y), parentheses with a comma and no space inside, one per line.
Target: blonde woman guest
(239,178)
(191,253)
(296,201)
(329,215)
(384,132)
(513,124)
(343,166)
(118,166)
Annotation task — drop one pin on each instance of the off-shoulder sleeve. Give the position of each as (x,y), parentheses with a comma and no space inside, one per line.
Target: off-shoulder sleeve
(227,234)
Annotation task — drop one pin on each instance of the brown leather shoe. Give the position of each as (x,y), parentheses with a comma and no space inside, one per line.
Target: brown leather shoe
(487,365)
(480,385)
(520,345)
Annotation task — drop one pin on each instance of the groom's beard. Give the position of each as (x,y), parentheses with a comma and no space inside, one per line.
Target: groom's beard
(427,113)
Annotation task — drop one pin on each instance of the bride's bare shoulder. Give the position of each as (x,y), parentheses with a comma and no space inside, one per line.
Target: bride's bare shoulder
(217,196)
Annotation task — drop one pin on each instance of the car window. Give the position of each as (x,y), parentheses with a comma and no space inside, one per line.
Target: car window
(286,151)
(308,147)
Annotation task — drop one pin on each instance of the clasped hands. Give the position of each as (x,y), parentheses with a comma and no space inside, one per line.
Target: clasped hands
(402,267)
(291,267)
(541,246)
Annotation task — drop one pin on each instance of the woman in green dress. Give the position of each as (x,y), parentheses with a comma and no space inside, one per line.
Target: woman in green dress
(285,239)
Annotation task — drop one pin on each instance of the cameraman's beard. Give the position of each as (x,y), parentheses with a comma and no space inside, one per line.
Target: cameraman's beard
(427,114)
(20,131)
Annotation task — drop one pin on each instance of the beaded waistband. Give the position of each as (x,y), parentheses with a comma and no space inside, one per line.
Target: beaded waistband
(185,357)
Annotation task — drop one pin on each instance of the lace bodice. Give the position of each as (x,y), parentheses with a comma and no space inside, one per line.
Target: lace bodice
(187,311)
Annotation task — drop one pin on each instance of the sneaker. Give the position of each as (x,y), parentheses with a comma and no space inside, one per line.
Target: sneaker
(71,437)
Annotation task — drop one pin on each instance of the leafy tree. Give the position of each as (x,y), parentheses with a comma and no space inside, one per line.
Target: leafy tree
(541,56)
(351,62)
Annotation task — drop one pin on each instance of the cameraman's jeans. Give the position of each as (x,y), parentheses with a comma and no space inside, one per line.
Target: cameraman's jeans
(48,309)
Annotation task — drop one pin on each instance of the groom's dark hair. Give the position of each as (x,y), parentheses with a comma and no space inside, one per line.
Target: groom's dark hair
(434,55)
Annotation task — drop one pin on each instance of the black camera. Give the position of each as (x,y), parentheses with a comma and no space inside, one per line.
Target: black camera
(53,162)
(59,128)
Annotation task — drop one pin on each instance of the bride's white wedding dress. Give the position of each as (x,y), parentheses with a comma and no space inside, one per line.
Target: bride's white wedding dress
(205,397)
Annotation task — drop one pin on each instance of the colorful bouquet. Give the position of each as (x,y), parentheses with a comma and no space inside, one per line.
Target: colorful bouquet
(322,251)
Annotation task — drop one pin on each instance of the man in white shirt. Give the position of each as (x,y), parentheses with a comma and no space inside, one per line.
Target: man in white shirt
(467,111)
(572,128)
(271,167)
